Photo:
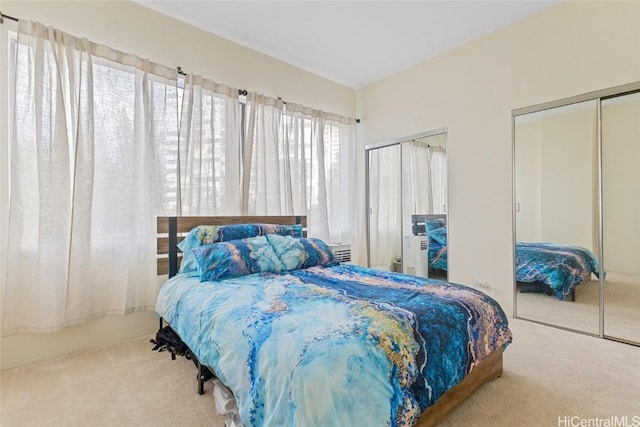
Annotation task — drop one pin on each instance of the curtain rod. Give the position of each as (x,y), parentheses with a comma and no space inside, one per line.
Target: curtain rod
(180,71)
(240,91)
(418,140)
(280,99)
(11,18)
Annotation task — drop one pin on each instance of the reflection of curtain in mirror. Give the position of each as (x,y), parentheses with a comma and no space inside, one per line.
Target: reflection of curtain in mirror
(416,181)
(438,178)
(384,201)
(424,179)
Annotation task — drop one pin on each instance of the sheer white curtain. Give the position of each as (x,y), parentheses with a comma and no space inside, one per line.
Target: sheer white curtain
(300,161)
(417,183)
(438,178)
(92,132)
(336,145)
(209,154)
(103,142)
(266,186)
(385,201)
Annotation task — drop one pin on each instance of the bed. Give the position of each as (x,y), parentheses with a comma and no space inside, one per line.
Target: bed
(324,343)
(553,269)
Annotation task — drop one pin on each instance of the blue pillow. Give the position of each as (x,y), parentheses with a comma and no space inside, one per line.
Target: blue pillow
(209,234)
(299,252)
(434,223)
(439,235)
(235,258)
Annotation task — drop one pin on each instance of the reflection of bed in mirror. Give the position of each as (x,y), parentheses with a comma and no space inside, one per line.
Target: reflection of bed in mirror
(553,269)
(549,268)
(434,229)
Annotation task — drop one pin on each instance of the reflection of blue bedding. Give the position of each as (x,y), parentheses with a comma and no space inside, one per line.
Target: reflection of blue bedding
(437,255)
(330,345)
(559,266)
(436,229)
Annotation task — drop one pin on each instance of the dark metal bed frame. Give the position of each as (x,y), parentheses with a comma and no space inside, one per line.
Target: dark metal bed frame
(172,229)
(543,288)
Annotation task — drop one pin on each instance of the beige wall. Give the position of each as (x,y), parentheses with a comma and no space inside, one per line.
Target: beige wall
(556,171)
(527,176)
(569,49)
(131,28)
(128,27)
(568,171)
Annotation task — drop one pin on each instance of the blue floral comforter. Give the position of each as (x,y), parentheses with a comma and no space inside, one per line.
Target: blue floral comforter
(334,346)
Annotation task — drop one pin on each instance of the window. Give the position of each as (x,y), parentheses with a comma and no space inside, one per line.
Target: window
(107,141)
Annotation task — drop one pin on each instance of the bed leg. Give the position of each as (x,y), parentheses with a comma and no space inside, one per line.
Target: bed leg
(200,378)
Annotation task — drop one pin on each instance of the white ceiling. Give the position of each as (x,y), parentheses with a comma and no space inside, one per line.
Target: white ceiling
(354,43)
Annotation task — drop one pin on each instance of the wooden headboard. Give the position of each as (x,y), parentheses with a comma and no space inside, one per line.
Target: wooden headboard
(417,222)
(172,229)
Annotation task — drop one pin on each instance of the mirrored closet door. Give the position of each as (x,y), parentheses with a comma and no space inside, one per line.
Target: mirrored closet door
(577,213)
(621,215)
(556,174)
(407,202)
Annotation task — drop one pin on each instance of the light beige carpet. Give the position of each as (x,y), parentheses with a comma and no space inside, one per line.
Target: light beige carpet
(549,374)
(621,310)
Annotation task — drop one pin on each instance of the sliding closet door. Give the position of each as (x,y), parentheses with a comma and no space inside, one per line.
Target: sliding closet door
(556,195)
(406,178)
(621,216)
(577,182)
